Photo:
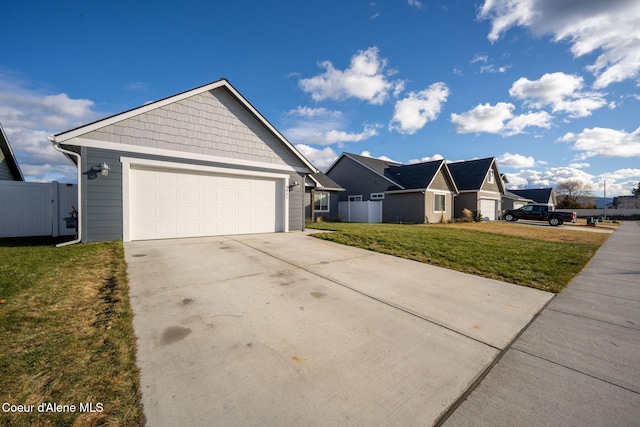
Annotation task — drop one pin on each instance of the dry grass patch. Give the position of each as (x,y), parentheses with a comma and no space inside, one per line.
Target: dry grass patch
(538,232)
(68,319)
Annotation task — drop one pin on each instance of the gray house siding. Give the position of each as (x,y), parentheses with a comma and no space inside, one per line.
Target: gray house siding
(465,201)
(102,210)
(211,123)
(333,206)
(5,172)
(406,208)
(441,182)
(435,217)
(356,180)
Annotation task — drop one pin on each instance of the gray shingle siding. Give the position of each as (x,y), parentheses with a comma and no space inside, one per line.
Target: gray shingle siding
(212,123)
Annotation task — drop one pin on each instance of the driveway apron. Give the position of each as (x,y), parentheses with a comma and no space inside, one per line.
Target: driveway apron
(286,329)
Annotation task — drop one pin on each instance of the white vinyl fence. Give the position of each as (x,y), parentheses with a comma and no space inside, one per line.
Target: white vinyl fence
(370,211)
(36,209)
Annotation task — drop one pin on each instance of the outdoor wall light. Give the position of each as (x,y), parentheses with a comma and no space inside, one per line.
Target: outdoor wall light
(104,169)
(293,185)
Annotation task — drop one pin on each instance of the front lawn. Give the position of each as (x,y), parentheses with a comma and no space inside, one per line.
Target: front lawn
(544,258)
(67,336)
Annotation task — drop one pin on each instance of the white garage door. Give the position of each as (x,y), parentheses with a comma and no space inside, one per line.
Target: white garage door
(166,203)
(489,209)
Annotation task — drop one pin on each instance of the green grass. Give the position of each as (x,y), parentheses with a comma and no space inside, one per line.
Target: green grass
(538,263)
(66,328)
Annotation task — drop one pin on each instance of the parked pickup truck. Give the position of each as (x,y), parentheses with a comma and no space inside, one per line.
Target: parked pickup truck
(539,213)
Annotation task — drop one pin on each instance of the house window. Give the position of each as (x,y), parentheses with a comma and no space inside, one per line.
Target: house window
(491,176)
(321,202)
(377,196)
(355,198)
(439,202)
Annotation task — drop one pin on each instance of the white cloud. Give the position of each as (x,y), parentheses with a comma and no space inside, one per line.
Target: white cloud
(385,158)
(605,142)
(498,119)
(609,28)
(491,68)
(29,116)
(313,112)
(414,111)
(560,91)
(479,58)
(515,161)
(321,158)
(365,79)
(415,3)
(426,159)
(579,165)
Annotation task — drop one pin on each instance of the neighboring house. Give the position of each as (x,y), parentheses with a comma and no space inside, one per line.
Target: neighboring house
(424,193)
(513,201)
(545,196)
(480,188)
(203,162)
(9,169)
(362,177)
(418,193)
(321,197)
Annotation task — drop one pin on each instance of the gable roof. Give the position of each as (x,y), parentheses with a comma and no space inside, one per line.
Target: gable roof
(513,196)
(376,166)
(9,157)
(416,176)
(323,182)
(469,175)
(538,195)
(222,83)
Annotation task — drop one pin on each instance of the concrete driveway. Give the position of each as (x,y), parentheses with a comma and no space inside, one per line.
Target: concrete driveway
(286,329)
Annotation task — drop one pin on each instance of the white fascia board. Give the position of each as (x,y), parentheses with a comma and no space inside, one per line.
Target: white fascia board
(448,173)
(127,148)
(65,136)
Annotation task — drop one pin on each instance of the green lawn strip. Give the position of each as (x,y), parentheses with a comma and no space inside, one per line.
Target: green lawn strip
(539,264)
(66,327)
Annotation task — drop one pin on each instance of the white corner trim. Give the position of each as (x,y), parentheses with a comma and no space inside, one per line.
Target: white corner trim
(138,149)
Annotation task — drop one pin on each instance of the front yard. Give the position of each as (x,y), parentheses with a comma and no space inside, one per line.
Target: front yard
(67,336)
(544,258)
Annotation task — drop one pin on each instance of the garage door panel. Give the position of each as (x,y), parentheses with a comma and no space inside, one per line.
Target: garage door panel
(488,208)
(167,203)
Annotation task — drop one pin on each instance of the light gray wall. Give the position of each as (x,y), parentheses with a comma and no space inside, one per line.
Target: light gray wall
(356,180)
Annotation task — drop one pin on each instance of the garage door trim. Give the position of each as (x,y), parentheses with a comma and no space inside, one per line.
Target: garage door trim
(128,162)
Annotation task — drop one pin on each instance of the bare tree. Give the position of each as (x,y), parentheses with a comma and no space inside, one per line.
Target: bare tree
(576,194)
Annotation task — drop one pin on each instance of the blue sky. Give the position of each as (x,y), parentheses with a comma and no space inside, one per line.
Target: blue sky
(551,89)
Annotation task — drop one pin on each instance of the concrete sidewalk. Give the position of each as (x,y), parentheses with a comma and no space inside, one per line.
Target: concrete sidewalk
(578,363)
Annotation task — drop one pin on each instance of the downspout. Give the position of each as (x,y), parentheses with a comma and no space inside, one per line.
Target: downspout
(57,147)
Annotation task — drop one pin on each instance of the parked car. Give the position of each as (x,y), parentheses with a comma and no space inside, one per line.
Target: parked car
(539,213)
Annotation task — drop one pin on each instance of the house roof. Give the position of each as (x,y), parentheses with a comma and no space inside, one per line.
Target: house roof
(323,182)
(222,83)
(9,157)
(377,166)
(538,195)
(513,196)
(416,176)
(470,175)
